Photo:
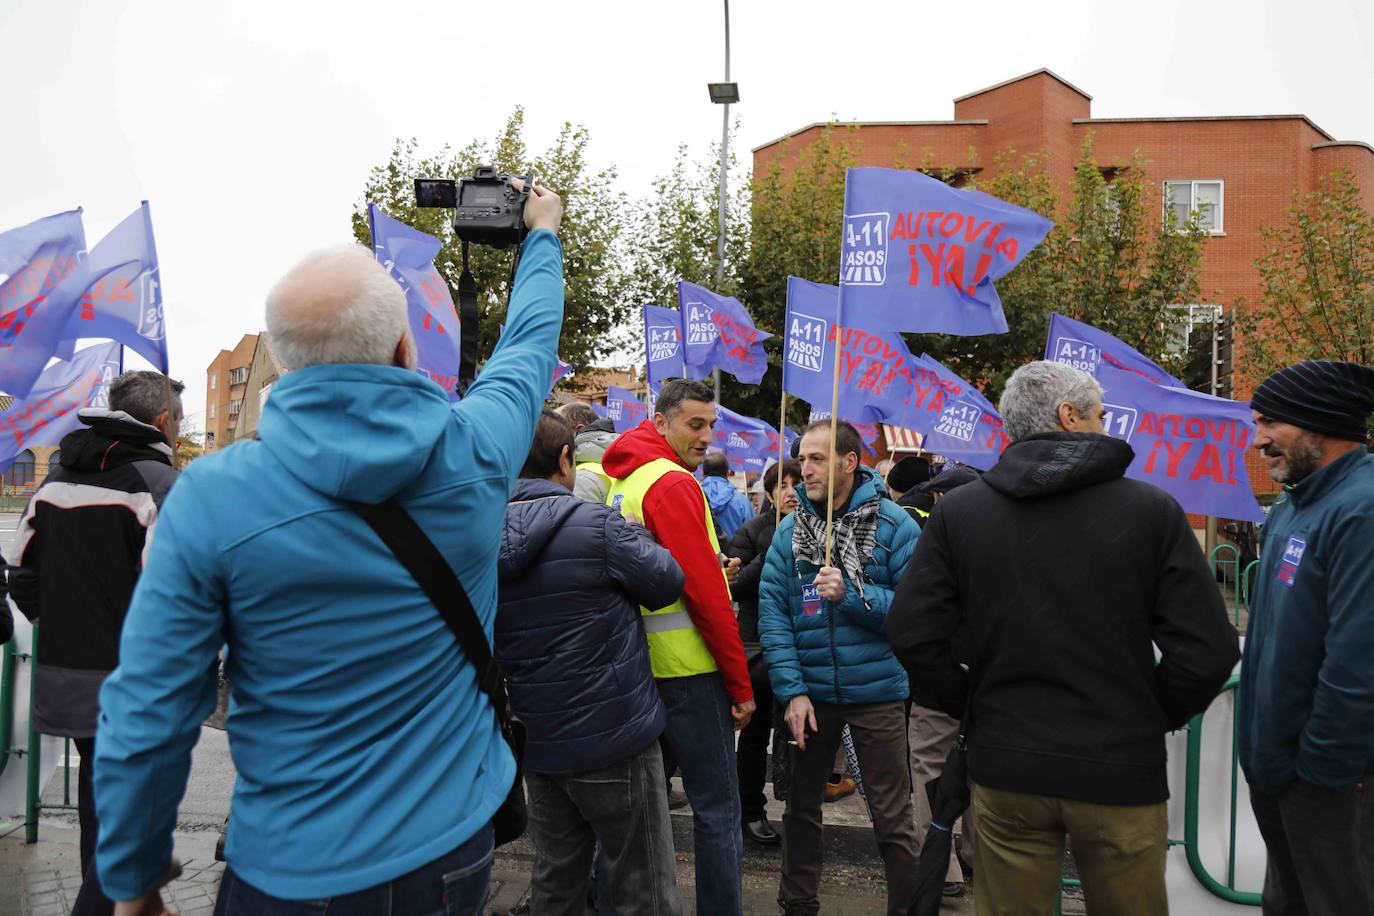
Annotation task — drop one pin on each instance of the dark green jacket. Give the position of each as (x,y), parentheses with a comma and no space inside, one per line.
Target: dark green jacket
(1306,703)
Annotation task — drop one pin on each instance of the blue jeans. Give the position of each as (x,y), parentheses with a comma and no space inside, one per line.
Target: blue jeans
(701,736)
(455,885)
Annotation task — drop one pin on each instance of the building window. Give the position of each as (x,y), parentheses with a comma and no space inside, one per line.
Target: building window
(20,474)
(238,376)
(1200,200)
(209,441)
(235,406)
(213,378)
(212,411)
(54,460)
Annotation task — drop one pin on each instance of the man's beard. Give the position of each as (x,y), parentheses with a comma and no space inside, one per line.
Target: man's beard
(1300,459)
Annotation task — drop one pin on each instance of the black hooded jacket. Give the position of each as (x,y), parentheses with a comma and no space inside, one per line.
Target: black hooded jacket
(1066,575)
(76,557)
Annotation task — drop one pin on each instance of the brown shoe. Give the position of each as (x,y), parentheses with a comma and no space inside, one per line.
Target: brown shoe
(834,791)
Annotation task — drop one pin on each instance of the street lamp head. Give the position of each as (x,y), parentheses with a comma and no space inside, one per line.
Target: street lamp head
(723,93)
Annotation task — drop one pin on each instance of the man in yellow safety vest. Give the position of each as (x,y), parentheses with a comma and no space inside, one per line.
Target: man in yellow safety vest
(694,644)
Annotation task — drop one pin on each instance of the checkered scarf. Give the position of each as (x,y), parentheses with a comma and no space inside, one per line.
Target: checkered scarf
(855,534)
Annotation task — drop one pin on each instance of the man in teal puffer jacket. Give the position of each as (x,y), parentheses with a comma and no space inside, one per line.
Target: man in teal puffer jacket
(369,761)
(830,663)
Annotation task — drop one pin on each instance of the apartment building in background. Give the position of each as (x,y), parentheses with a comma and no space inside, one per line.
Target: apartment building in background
(226,383)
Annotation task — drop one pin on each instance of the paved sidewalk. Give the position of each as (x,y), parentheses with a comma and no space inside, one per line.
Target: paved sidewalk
(43,879)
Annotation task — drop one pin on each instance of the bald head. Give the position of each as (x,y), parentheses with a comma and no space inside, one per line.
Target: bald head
(339,306)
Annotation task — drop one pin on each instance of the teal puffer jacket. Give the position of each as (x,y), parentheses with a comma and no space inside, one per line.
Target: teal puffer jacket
(840,655)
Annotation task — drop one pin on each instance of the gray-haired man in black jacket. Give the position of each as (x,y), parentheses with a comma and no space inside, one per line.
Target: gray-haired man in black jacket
(1066,576)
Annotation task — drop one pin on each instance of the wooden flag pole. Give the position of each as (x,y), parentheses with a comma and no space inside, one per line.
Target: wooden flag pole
(834,418)
(782,447)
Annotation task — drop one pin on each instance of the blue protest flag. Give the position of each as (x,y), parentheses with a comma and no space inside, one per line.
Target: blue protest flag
(720,335)
(875,367)
(662,344)
(408,255)
(600,410)
(624,409)
(120,292)
(741,438)
(919,255)
(50,410)
(34,260)
(1085,347)
(955,419)
(1189,444)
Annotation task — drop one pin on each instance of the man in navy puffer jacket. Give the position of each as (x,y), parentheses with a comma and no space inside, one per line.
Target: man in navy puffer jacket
(568,634)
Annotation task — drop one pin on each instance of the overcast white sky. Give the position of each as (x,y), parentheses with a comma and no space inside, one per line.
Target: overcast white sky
(250,126)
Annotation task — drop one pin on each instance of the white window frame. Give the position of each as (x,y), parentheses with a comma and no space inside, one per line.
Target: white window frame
(212,411)
(213,379)
(1192,198)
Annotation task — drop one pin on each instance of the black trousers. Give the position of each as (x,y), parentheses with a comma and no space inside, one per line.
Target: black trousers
(91,900)
(1321,849)
(751,754)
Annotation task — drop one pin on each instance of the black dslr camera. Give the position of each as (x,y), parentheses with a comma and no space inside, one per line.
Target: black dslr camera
(487,208)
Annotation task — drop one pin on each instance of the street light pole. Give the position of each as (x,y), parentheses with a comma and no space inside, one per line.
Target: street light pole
(724,160)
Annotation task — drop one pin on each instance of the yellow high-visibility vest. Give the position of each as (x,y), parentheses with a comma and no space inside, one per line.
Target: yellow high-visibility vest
(596,468)
(676,649)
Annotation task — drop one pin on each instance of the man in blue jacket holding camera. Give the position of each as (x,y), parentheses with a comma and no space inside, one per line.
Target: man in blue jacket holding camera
(369,761)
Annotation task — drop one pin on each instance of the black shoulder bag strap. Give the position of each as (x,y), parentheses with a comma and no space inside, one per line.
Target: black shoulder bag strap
(417,553)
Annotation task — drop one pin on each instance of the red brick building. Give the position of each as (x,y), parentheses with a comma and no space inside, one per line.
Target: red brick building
(1239,171)
(226,384)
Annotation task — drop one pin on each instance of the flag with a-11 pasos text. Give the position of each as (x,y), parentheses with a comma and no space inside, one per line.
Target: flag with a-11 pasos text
(919,255)
(624,409)
(1078,344)
(118,291)
(720,335)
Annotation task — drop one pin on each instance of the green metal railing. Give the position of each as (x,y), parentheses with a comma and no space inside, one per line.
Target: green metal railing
(1217,563)
(9,660)
(1228,890)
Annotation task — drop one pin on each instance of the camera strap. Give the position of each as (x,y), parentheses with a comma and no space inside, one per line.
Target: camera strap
(467,321)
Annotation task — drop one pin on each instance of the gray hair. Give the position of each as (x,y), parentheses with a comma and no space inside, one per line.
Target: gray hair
(143,395)
(338,305)
(1030,402)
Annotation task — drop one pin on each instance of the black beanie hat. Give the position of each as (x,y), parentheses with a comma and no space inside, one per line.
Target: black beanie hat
(1322,395)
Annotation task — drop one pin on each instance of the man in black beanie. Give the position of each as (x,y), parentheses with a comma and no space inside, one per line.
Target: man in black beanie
(1305,707)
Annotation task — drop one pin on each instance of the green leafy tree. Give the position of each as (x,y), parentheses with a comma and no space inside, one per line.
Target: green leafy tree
(595,299)
(1318,279)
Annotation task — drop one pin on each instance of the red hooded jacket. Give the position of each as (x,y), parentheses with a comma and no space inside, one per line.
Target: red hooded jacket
(675,512)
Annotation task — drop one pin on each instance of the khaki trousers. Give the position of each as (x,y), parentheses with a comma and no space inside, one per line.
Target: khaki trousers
(931,735)
(1120,852)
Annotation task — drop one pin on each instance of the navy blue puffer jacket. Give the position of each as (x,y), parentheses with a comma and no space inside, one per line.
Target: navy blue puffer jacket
(568,634)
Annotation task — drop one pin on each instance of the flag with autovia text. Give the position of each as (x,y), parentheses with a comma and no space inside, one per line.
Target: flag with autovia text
(34,260)
(50,410)
(953,417)
(408,255)
(875,367)
(624,409)
(720,335)
(1189,444)
(919,255)
(118,291)
(1085,347)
